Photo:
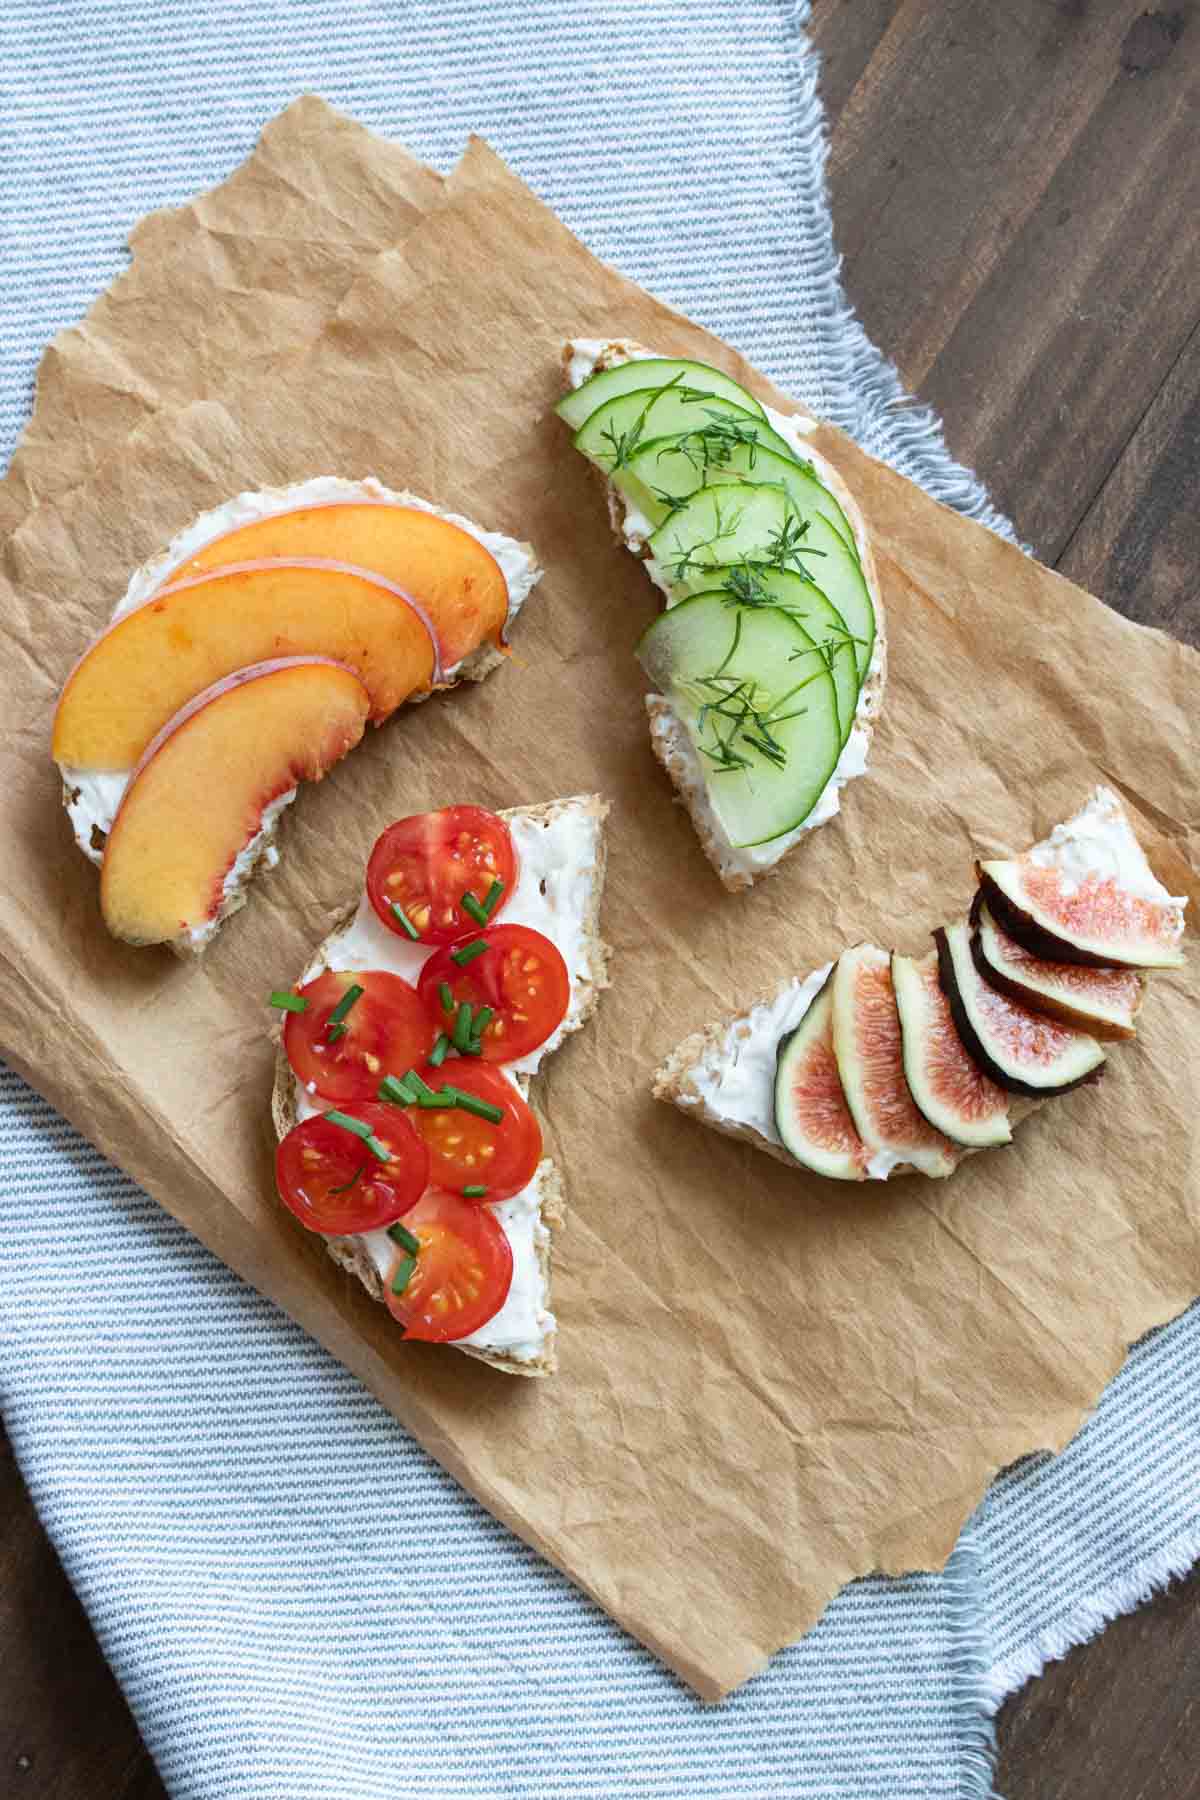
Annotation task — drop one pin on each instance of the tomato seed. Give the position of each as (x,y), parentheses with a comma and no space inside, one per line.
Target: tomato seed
(373,1063)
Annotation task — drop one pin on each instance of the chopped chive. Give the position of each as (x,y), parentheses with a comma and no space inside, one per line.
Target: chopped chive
(357,1126)
(468,952)
(473,909)
(437,1055)
(483,1109)
(402,917)
(436,1102)
(347,1185)
(478,1027)
(353,992)
(445,996)
(475,1192)
(378,1150)
(462,1026)
(400,1234)
(334,1028)
(396,1090)
(403,1273)
(491,899)
(422,1090)
(288,1002)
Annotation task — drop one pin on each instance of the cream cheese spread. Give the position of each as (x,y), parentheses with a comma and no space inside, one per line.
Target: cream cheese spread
(524,1322)
(734,1081)
(1099,841)
(735,1078)
(259,849)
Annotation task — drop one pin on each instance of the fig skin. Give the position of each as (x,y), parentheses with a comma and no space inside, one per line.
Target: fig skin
(1049,1005)
(1025,930)
(994,1131)
(973,1044)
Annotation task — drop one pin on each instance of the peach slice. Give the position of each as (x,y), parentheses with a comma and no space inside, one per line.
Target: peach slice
(196,799)
(176,644)
(457,581)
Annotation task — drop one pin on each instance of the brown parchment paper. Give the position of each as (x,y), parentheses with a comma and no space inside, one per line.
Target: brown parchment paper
(769,1384)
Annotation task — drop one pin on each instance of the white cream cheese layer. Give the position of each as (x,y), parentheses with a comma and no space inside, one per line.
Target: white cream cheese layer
(92,796)
(587,355)
(1100,841)
(752,859)
(260,849)
(735,1078)
(524,1322)
(558,867)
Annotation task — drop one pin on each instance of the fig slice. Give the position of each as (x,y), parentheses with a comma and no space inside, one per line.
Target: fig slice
(1017,1049)
(870,1060)
(811,1115)
(1104,1002)
(1091,920)
(948,1086)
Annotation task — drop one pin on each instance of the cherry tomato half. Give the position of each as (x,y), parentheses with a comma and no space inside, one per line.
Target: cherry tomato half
(463,1270)
(426,863)
(385,1031)
(335,1183)
(467,1151)
(520,976)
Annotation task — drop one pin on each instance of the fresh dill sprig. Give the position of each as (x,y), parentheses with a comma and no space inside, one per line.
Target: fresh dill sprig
(712,446)
(786,548)
(694,557)
(744,586)
(625,444)
(672,502)
(738,717)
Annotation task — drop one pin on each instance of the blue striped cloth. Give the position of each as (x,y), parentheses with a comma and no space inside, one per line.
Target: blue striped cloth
(298,1602)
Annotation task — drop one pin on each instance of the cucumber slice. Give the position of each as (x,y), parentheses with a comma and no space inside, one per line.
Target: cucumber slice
(768,754)
(810,608)
(627,423)
(760,523)
(649,371)
(675,471)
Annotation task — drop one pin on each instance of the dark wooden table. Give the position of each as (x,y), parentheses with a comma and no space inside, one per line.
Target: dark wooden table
(1016,185)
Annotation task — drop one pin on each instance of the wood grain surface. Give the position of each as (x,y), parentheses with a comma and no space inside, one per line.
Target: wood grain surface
(1016,190)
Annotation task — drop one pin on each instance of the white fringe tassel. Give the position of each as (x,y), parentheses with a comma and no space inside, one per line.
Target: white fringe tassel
(1088,1617)
(963,1582)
